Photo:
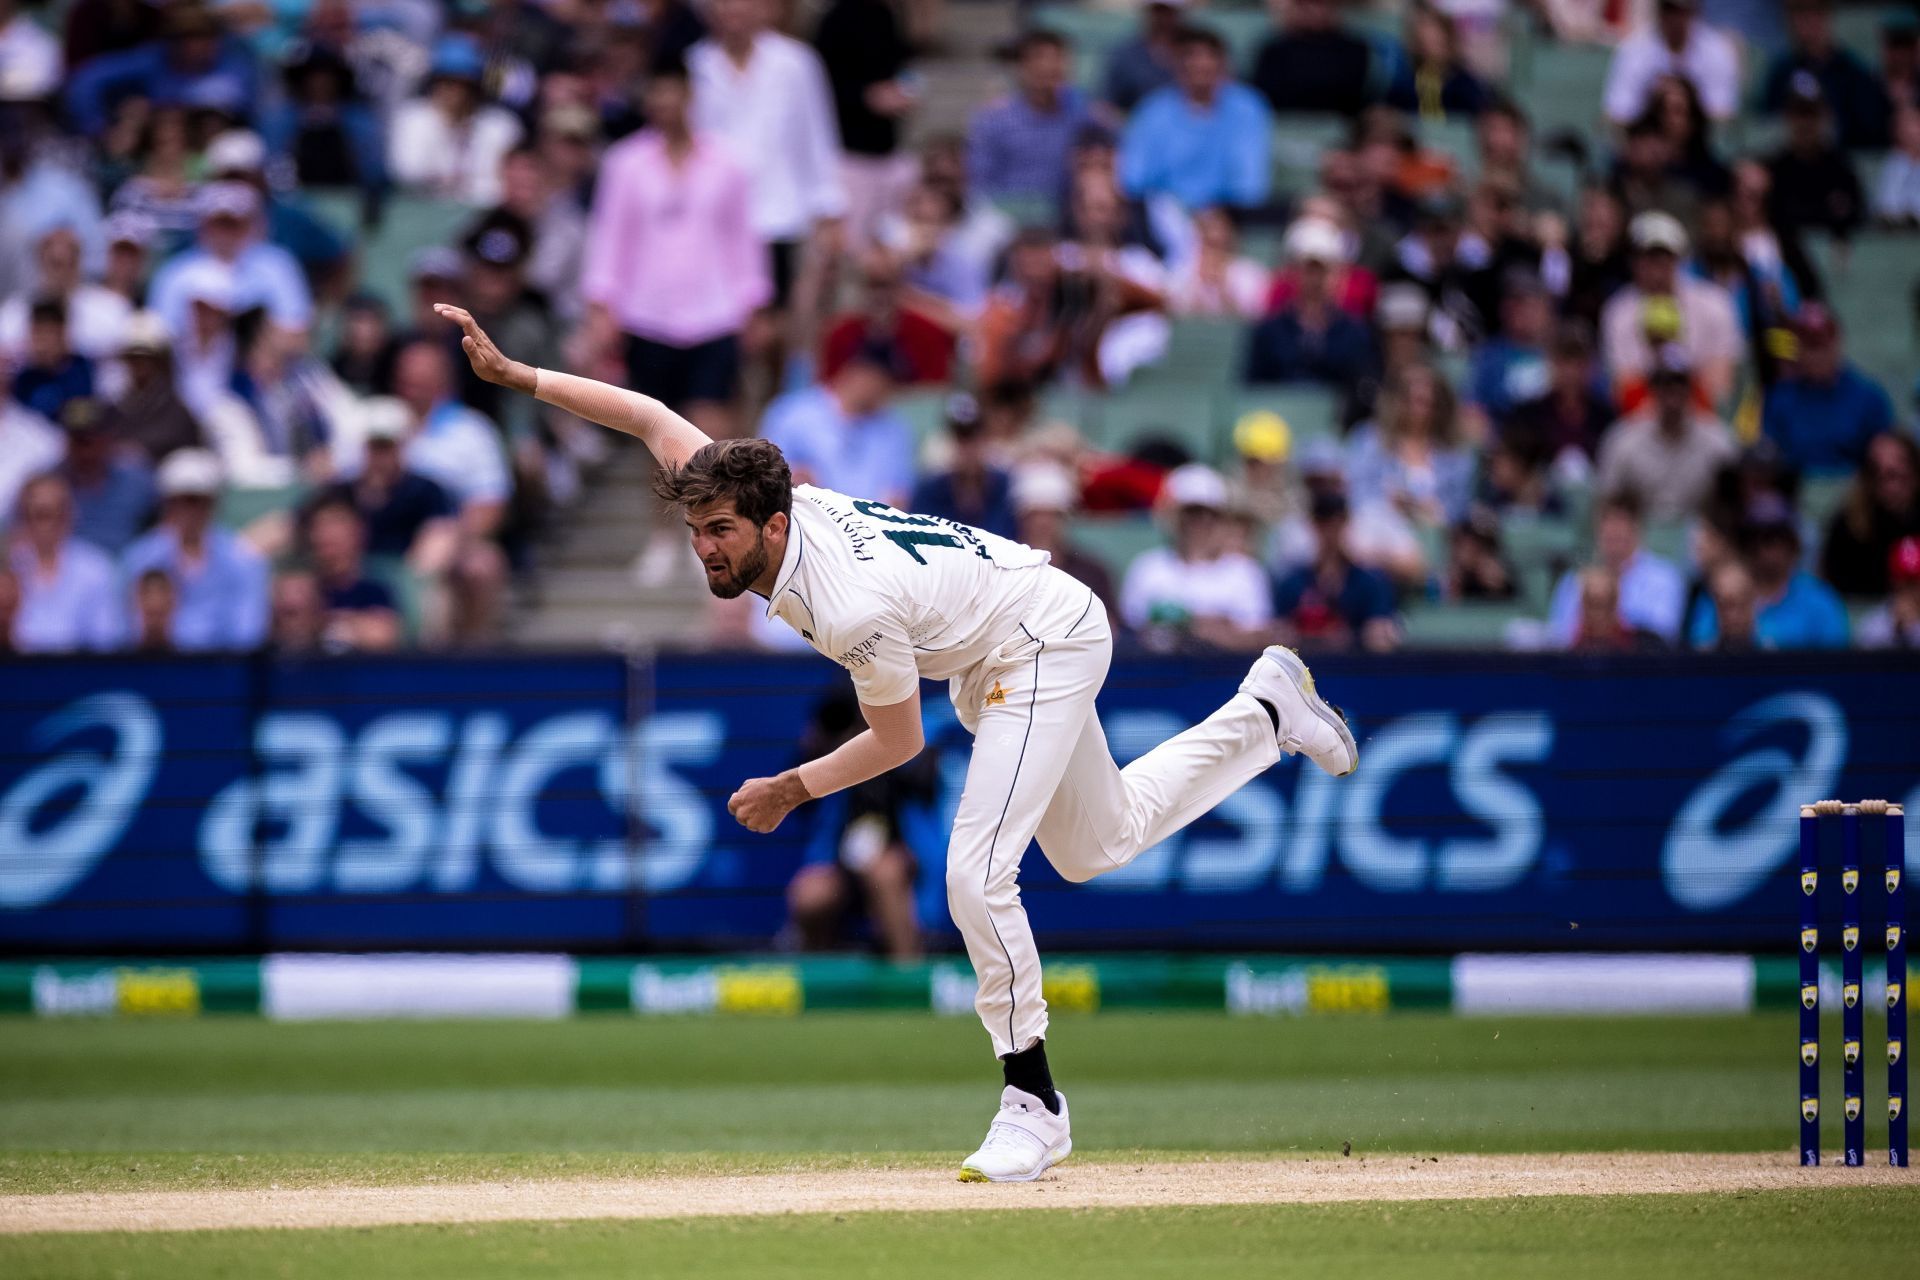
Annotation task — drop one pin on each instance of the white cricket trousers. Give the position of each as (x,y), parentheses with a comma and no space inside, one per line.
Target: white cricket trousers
(1041,767)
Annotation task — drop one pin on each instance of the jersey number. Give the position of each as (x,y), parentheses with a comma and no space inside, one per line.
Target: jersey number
(918,534)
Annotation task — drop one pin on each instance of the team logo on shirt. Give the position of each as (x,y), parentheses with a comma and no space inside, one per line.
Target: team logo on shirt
(861,654)
(997,697)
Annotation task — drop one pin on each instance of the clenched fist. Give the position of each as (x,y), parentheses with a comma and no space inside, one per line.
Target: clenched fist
(487,359)
(761,803)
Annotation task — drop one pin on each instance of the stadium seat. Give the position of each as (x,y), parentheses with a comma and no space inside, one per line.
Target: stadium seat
(924,411)
(1298,141)
(1461,626)
(241,507)
(409,591)
(1182,413)
(1115,540)
(1202,354)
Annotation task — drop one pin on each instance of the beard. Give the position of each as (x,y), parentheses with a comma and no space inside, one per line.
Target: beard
(752,566)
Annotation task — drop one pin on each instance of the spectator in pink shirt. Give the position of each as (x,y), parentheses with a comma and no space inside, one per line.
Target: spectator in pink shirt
(673,265)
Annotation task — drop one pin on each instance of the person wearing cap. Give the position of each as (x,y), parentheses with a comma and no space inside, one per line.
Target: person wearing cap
(1650,592)
(1794,609)
(149,413)
(1815,187)
(1667,454)
(1881,507)
(448,141)
(1314,64)
(971,489)
(195,61)
(1018,145)
(262,273)
(674,266)
(49,372)
(1674,43)
(1311,339)
(1708,331)
(1823,410)
(408,517)
(1202,140)
(765,96)
(842,434)
(96,316)
(240,155)
(497,247)
(1896,624)
(112,487)
(1044,497)
(70,597)
(1334,603)
(1197,590)
(1861,108)
(220,581)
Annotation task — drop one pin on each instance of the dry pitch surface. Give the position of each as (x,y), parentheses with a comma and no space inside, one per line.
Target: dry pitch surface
(1084,1186)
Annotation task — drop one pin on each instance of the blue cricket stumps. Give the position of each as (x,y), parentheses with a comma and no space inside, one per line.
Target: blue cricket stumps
(1895,877)
(1809,986)
(1853,1067)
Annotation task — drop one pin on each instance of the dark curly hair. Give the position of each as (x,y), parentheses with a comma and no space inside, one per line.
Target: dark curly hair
(751,474)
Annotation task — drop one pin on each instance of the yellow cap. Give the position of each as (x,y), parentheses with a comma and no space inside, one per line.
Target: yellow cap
(1263,436)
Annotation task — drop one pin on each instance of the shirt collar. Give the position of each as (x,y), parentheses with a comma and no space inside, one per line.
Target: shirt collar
(789,563)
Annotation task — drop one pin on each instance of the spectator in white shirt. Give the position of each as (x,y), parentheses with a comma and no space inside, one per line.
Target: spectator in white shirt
(450,140)
(1214,280)
(1896,196)
(233,236)
(96,316)
(766,95)
(1199,588)
(29,445)
(69,590)
(1694,314)
(1675,43)
(1652,594)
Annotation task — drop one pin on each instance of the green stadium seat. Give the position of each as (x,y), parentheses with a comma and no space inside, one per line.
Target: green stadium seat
(1201,354)
(1114,540)
(1453,139)
(1179,413)
(1562,85)
(1821,496)
(1298,142)
(1541,540)
(241,507)
(1667,538)
(1461,626)
(924,411)
(1077,408)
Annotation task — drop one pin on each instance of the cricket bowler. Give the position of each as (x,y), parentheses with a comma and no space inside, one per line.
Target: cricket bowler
(896,598)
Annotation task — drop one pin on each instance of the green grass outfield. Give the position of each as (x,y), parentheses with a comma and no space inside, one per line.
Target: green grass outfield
(216,1102)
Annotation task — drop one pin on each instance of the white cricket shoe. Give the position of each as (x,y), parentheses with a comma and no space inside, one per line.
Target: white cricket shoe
(1309,724)
(1023,1142)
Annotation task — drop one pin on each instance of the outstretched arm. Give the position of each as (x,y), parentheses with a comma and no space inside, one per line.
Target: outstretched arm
(670,437)
(893,736)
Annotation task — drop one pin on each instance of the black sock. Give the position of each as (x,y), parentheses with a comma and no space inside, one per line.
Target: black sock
(1273,713)
(1027,1071)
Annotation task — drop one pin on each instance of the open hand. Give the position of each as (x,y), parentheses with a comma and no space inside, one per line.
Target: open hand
(761,803)
(487,359)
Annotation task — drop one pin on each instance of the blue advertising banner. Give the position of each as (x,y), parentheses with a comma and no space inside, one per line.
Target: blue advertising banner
(579,802)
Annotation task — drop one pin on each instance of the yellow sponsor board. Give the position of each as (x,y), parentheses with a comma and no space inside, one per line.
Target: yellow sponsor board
(1071,988)
(160,992)
(770,989)
(1355,989)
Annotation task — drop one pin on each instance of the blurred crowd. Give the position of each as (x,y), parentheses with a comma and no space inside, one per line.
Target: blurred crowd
(222,429)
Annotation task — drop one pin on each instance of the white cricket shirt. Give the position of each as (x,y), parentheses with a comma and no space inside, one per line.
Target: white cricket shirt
(894,597)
